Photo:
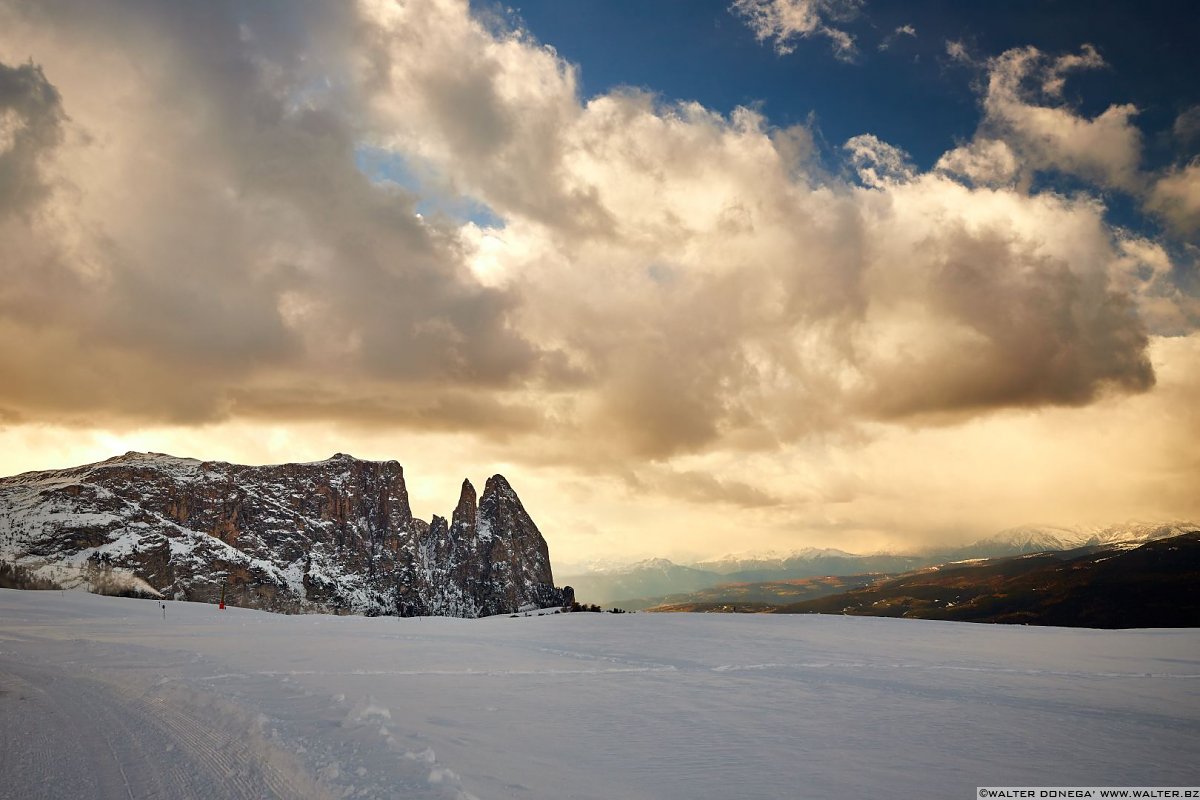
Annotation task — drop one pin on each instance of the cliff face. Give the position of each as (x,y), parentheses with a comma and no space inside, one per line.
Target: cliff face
(335,535)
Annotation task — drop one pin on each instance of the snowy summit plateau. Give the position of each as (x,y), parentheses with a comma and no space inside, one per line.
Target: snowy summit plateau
(335,535)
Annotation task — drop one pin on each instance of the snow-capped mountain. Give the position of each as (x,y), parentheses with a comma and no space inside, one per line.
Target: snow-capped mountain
(1040,539)
(1140,532)
(1023,539)
(333,535)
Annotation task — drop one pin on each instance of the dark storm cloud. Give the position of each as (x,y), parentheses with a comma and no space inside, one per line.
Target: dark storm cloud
(702,487)
(428,408)
(31,118)
(1027,332)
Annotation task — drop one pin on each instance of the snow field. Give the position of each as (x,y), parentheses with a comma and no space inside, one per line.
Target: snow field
(589,706)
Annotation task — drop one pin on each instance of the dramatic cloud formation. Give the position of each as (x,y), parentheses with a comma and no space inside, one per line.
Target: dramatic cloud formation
(654,298)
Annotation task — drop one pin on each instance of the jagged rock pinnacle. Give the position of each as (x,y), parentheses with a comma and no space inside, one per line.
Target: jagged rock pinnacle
(464,513)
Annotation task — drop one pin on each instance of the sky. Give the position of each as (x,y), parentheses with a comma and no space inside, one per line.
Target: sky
(697,277)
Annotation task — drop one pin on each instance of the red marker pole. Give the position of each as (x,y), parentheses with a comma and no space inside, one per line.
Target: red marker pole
(222,605)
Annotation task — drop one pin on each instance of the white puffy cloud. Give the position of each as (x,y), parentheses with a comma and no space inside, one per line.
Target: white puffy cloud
(784,21)
(1028,128)
(983,162)
(1023,107)
(878,163)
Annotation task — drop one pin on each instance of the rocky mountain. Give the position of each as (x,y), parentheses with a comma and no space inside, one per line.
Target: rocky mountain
(335,535)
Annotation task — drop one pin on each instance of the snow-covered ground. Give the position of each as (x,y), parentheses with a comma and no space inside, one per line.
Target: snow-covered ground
(102,697)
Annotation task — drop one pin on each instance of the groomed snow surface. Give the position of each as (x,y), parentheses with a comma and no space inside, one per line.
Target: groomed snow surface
(102,697)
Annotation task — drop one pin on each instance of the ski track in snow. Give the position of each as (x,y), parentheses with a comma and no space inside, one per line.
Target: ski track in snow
(71,735)
(101,697)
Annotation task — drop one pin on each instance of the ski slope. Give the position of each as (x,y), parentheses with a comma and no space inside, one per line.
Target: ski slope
(102,697)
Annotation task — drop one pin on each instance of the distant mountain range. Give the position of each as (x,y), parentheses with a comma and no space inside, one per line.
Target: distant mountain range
(1115,585)
(335,535)
(658,581)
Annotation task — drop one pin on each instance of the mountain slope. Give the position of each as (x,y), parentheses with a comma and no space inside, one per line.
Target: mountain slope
(759,596)
(1043,539)
(334,535)
(1098,586)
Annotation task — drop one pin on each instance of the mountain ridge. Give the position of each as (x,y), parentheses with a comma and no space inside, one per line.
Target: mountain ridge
(1147,584)
(332,535)
(650,581)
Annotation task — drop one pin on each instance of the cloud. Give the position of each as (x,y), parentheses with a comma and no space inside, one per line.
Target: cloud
(878,163)
(31,126)
(695,486)
(1175,196)
(957,51)
(895,35)
(1023,106)
(1027,128)
(667,311)
(784,21)
(1148,274)
(500,116)
(664,281)
(1054,77)
(983,162)
(1007,321)
(1186,128)
(204,228)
